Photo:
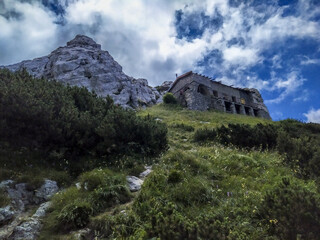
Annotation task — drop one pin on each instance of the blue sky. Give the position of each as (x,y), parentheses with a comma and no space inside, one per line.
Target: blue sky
(271,45)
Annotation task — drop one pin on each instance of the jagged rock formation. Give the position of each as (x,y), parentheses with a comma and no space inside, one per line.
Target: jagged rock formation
(15,219)
(83,63)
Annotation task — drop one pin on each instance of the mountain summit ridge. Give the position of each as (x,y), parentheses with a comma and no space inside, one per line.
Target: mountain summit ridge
(82,63)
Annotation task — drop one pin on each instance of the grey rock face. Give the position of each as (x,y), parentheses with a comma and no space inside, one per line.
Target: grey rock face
(164,87)
(6,184)
(83,63)
(134,183)
(30,228)
(6,214)
(20,196)
(145,173)
(47,190)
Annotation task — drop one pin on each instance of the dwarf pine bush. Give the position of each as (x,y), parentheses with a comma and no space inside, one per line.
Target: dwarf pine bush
(71,127)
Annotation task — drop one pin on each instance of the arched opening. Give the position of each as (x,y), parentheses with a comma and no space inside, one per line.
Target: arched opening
(203,90)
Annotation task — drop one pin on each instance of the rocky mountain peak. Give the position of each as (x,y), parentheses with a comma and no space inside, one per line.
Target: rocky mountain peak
(83,41)
(82,63)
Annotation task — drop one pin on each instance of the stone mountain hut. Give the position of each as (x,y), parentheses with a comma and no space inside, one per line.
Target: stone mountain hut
(198,92)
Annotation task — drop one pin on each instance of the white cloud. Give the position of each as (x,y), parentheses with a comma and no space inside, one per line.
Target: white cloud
(302,96)
(313,115)
(141,36)
(286,87)
(241,56)
(309,61)
(29,34)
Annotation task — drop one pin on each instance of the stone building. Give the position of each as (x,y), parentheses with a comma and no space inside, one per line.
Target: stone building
(198,92)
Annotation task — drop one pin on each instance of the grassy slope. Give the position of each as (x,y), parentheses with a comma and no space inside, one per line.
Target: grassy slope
(213,180)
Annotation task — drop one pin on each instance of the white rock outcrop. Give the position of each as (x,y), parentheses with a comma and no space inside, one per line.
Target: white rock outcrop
(134,183)
(83,63)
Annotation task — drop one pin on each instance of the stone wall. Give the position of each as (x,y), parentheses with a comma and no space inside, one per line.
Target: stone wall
(198,92)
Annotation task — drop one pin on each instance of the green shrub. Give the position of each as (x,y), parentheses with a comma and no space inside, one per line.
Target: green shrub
(175,176)
(62,178)
(75,215)
(100,190)
(204,134)
(100,177)
(69,125)
(241,135)
(169,98)
(193,191)
(291,211)
(121,225)
(108,196)
(184,161)
(183,126)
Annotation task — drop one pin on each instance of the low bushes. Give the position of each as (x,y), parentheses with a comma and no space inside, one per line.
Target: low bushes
(291,211)
(168,98)
(98,190)
(183,127)
(71,127)
(298,142)
(240,135)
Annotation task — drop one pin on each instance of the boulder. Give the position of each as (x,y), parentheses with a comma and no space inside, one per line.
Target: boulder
(134,183)
(20,196)
(6,184)
(145,173)
(30,228)
(47,190)
(6,214)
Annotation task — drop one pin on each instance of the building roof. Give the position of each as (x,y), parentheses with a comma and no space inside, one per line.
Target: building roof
(190,72)
(178,78)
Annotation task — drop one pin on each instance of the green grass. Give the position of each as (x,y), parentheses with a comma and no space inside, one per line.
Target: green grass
(201,191)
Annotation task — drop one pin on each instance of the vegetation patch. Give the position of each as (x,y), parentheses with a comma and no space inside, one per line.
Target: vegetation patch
(69,128)
(96,191)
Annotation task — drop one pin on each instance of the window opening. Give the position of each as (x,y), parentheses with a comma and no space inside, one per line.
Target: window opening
(247,109)
(228,106)
(238,107)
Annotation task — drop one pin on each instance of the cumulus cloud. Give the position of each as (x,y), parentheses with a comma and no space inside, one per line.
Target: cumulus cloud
(27,31)
(156,39)
(286,86)
(313,115)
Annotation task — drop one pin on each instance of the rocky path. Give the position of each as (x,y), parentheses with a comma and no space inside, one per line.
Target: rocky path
(16,219)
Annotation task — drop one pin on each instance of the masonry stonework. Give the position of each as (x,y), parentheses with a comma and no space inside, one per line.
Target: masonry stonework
(198,92)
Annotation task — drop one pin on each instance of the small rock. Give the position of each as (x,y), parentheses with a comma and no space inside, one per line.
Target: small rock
(134,183)
(81,234)
(27,230)
(78,185)
(145,173)
(30,229)
(20,196)
(47,190)
(123,212)
(41,211)
(6,184)
(6,214)
(158,119)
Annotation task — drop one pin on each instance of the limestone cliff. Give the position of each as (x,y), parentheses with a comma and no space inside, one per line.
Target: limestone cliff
(83,63)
